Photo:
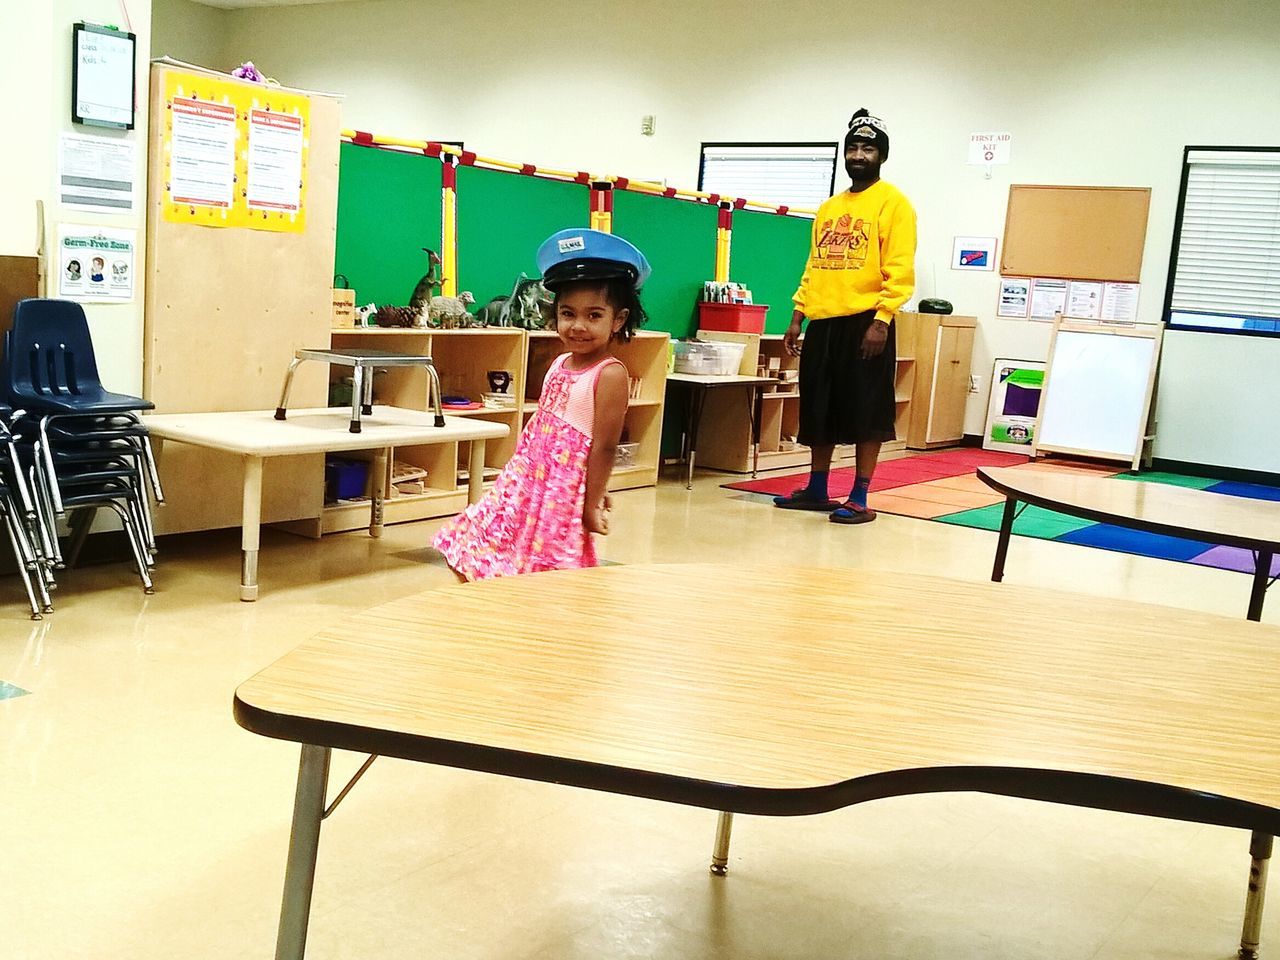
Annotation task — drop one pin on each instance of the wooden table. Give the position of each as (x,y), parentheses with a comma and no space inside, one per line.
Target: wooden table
(782,697)
(1156,507)
(256,435)
(698,385)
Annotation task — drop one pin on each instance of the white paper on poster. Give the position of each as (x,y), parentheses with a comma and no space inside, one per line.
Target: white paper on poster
(989,149)
(1120,302)
(96,264)
(202,157)
(973,253)
(275,161)
(1084,299)
(96,173)
(1015,298)
(104,78)
(1048,297)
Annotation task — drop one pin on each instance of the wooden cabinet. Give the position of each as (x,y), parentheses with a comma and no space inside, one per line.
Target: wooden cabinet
(645,356)
(937,384)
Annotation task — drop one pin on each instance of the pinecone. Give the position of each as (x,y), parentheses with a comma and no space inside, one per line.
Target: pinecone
(395,316)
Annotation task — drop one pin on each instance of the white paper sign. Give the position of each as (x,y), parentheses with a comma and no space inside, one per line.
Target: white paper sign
(1015,298)
(275,161)
(973,253)
(987,149)
(1120,302)
(1048,296)
(96,173)
(96,264)
(1084,299)
(202,159)
(104,78)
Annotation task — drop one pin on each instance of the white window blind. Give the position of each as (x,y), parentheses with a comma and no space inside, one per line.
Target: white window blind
(794,175)
(1227,272)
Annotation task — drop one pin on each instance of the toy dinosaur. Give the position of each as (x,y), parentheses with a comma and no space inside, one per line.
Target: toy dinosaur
(430,283)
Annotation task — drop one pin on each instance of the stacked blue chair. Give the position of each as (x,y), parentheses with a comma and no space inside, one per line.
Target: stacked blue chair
(18,513)
(82,447)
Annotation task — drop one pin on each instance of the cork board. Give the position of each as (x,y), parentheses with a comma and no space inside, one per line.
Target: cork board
(1076,233)
(225,310)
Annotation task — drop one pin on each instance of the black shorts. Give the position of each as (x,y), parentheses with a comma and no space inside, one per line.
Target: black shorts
(843,398)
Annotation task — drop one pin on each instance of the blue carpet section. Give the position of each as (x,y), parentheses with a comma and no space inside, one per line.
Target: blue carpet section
(1254,491)
(8,691)
(1108,537)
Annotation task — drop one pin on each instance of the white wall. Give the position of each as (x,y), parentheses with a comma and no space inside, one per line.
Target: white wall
(35,59)
(190,32)
(1094,92)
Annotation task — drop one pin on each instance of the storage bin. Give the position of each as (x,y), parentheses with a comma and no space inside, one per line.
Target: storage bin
(714,359)
(732,317)
(345,479)
(626,455)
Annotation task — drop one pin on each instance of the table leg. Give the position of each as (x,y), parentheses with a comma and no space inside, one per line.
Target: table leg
(288,385)
(377,492)
(250,528)
(1261,576)
(697,399)
(357,394)
(475,472)
(304,841)
(1002,545)
(720,853)
(367,397)
(754,412)
(1250,936)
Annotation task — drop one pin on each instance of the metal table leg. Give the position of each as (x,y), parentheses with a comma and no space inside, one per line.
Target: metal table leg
(697,400)
(475,472)
(377,492)
(720,852)
(304,841)
(367,399)
(288,385)
(357,394)
(250,528)
(755,414)
(1250,935)
(1002,545)
(1261,580)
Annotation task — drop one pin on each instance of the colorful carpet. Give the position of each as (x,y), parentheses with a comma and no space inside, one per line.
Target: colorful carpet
(944,486)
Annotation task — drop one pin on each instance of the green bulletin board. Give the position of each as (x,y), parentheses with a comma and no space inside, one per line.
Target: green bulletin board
(388,210)
(502,220)
(679,239)
(768,255)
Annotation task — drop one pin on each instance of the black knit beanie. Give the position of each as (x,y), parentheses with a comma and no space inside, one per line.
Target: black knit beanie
(863,126)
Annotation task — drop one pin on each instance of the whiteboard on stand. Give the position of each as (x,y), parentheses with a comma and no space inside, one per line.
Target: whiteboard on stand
(1097,390)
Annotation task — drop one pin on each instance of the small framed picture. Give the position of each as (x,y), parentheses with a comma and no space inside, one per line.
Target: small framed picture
(974,253)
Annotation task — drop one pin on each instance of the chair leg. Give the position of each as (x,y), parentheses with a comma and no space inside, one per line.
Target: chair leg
(45,451)
(81,521)
(47,521)
(10,526)
(135,544)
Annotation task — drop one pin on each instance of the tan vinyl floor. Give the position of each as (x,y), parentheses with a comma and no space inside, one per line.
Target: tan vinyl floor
(138,821)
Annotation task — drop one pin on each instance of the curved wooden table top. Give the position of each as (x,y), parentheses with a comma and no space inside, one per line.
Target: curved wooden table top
(1158,507)
(798,691)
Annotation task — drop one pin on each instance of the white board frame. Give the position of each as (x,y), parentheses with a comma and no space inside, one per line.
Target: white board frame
(1061,324)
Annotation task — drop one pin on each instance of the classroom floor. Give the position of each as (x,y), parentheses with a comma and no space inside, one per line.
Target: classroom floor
(138,821)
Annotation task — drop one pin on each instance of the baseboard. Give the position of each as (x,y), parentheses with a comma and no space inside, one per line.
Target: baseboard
(1218,473)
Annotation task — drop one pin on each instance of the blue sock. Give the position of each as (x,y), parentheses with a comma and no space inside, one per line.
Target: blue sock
(859,492)
(817,488)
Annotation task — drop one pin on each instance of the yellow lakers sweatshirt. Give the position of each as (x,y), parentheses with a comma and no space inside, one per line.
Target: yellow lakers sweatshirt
(862,255)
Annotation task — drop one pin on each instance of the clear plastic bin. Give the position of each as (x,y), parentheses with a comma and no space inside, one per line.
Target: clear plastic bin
(708,359)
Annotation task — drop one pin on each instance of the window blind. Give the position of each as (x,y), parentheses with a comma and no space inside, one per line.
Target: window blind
(1227,271)
(794,175)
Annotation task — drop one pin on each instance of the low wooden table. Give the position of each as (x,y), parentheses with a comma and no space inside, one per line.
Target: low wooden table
(257,434)
(783,697)
(698,385)
(1156,507)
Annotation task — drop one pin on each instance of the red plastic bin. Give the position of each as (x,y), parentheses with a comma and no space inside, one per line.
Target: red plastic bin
(732,317)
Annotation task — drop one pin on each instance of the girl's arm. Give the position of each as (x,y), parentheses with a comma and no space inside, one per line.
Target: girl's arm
(611,411)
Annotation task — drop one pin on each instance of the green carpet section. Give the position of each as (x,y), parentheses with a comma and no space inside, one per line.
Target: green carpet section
(1033,522)
(1173,479)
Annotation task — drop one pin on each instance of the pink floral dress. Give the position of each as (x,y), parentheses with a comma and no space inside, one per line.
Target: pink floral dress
(531,519)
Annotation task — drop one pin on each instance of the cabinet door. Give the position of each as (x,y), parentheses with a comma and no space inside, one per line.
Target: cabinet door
(950,384)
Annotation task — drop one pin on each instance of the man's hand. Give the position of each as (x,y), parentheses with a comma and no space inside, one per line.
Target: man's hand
(596,518)
(874,339)
(791,339)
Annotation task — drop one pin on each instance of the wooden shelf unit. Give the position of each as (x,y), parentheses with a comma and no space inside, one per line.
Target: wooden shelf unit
(645,356)
(937,379)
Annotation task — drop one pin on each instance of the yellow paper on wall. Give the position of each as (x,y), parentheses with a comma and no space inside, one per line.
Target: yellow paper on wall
(234,153)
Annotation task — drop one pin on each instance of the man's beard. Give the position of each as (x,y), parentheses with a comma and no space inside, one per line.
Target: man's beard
(868,171)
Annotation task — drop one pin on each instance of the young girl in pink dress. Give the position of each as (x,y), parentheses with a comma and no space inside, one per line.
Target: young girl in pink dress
(551,497)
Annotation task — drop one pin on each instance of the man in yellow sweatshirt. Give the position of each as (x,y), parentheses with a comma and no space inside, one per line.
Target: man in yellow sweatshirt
(861,270)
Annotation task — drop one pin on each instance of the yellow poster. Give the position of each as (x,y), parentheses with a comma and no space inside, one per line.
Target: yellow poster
(234,153)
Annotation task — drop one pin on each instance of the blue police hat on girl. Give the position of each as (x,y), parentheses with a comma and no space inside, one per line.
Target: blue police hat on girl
(582,254)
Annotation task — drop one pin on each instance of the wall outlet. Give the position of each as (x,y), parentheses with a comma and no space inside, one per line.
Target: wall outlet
(973,383)
(647,124)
